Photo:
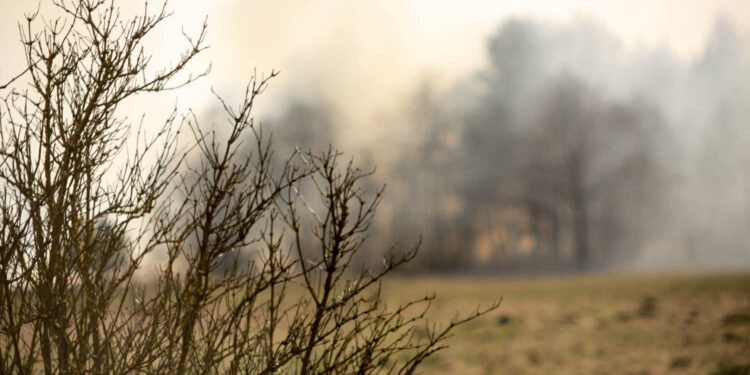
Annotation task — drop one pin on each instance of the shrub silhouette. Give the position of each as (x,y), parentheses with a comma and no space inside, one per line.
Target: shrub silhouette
(72,198)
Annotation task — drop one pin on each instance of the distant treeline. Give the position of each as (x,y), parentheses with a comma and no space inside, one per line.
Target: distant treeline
(566,152)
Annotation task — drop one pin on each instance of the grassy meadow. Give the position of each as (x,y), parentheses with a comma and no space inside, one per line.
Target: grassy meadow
(603,324)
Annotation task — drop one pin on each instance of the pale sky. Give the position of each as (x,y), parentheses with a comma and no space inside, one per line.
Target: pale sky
(365,56)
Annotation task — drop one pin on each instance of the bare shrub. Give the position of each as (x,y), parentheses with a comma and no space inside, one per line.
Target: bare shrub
(79,214)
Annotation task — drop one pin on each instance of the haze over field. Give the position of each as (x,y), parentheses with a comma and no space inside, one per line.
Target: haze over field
(514,136)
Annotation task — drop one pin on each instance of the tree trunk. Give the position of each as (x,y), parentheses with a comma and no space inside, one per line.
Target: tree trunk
(580,216)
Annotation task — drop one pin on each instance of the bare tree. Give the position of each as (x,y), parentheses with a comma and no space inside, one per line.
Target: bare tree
(569,121)
(597,161)
(71,197)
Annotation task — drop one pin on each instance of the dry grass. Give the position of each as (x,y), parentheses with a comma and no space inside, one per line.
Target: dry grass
(647,324)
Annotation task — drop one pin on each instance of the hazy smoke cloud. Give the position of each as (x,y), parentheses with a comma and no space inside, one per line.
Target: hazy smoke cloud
(569,136)
(566,141)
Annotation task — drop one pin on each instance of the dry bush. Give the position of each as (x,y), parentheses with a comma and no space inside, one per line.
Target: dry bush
(80,214)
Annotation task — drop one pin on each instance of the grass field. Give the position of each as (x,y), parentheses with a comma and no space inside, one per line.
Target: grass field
(637,325)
